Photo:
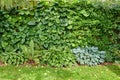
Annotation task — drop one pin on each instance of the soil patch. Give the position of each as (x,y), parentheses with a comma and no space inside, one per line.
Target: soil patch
(1,63)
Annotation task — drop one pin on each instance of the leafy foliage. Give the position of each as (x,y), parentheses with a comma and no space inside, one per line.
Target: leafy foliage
(13,58)
(57,57)
(113,55)
(117,55)
(9,4)
(78,25)
(89,55)
(60,23)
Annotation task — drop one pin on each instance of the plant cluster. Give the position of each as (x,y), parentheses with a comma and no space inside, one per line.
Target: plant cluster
(57,57)
(59,24)
(80,24)
(113,55)
(89,55)
(9,4)
(13,58)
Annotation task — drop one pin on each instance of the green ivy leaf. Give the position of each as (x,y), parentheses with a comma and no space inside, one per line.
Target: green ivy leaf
(69,27)
(84,13)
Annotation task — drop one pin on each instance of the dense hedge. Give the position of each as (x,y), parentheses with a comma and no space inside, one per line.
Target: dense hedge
(61,23)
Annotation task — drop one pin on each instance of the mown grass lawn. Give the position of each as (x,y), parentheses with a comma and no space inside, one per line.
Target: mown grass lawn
(109,72)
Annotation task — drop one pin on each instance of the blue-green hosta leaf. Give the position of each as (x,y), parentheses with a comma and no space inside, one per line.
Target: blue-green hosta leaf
(74,51)
(102,56)
(95,63)
(81,62)
(102,52)
(101,60)
(94,49)
(96,60)
(97,56)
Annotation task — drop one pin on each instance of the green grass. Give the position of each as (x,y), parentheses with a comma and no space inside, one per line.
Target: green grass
(110,72)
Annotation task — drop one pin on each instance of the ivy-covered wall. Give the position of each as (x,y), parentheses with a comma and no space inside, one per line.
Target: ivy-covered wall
(61,23)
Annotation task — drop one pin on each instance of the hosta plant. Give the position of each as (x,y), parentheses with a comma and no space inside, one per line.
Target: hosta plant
(89,55)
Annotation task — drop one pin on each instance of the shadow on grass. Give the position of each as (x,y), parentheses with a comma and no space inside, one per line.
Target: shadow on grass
(115,69)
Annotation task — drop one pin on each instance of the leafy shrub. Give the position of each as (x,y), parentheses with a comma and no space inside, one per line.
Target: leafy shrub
(8,4)
(89,55)
(13,58)
(79,23)
(57,57)
(113,55)
(109,57)
(117,55)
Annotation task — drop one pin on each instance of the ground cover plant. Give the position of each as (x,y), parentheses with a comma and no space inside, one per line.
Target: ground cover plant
(13,58)
(57,57)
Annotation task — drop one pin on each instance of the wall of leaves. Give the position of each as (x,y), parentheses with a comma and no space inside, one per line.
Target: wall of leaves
(61,23)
